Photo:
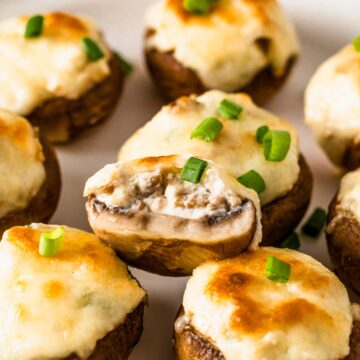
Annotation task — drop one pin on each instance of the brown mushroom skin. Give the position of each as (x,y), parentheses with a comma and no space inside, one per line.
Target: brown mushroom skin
(191,345)
(61,119)
(172,79)
(281,217)
(344,246)
(44,203)
(118,344)
(351,159)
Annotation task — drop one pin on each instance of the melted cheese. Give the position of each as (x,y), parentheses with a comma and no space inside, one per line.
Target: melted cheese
(21,163)
(235,149)
(52,307)
(349,193)
(221,47)
(248,316)
(332,103)
(52,65)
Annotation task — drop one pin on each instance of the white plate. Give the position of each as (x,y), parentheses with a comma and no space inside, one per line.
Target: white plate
(324,26)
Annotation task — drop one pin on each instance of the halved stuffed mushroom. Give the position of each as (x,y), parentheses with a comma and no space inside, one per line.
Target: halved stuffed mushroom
(343,231)
(231,45)
(170,214)
(266,304)
(30,181)
(57,70)
(332,107)
(65,295)
(255,147)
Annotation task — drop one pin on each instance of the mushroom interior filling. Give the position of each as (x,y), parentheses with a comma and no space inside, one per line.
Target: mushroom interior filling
(164,192)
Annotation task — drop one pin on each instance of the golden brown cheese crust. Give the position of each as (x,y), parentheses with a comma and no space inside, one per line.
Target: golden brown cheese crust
(250,317)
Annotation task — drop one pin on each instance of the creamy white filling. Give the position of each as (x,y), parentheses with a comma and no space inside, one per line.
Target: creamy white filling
(52,65)
(167,194)
(332,103)
(349,193)
(221,46)
(21,163)
(52,307)
(323,335)
(235,149)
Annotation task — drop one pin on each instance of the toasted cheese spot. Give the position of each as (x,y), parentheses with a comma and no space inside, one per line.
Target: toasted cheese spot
(220,9)
(21,312)
(153,160)
(250,316)
(64,24)
(53,289)
(86,249)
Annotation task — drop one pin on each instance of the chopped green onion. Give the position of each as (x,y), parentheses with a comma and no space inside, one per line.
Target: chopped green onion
(315,223)
(253,180)
(34,27)
(291,242)
(229,110)
(207,130)
(277,270)
(193,170)
(276,145)
(356,44)
(92,49)
(199,7)
(126,67)
(50,242)
(260,133)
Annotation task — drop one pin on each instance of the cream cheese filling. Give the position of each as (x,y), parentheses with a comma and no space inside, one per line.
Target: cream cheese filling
(349,194)
(52,65)
(332,103)
(222,47)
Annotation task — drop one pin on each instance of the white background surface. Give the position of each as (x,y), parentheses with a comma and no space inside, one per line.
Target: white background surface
(324,26)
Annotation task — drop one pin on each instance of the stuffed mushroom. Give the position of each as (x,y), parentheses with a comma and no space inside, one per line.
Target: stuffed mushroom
(232,45)
(170,214)
(266,304)
(30,180)
(56,70)
(332,107)
(252,145)
(65,295)
(343,231)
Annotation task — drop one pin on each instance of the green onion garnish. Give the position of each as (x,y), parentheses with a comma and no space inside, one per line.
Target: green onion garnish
(34,27)
(207,130)
(260,133)
(356,44)
(199,7)
(252,180)
(126,67)
(277,270)
(92,49)
(193,170)
(291,242)
(229,110)
(50,242)
(315,223)
(276,145)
